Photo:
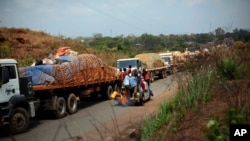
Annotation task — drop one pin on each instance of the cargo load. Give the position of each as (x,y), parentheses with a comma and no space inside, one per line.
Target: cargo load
(83,68)
(152,60)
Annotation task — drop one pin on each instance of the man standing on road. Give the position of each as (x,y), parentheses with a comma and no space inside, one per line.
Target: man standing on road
(126,84)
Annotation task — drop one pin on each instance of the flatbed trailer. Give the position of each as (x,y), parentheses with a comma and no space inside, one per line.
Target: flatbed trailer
(63,99)
(59,87)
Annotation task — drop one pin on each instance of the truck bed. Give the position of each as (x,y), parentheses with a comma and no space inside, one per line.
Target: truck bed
(72,85)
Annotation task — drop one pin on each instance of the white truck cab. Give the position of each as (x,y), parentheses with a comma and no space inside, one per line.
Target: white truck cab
(9,82)
(17,103)
(135,63)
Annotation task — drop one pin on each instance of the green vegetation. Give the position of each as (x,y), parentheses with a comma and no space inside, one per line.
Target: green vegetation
(5,51)
(152,124)
(230,68)
(25,62)
(215,133)
(193,89)
(215,130)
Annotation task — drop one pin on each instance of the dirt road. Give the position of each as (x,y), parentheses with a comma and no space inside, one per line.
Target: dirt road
(96,119)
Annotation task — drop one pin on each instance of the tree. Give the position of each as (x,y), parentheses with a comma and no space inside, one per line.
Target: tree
(219,32)
(241,35)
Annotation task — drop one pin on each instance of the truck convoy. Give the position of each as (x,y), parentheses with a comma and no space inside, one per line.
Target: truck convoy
(176,59)
(154,64)
(56,88)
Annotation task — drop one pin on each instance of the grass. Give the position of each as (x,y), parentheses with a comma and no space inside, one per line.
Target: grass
(152,124)
(193,89)
(230,68)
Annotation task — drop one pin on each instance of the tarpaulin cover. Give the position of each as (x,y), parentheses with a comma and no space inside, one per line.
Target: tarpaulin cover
(40,74)
(82,69)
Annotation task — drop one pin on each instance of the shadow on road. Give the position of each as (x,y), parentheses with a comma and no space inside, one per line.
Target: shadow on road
(42,116)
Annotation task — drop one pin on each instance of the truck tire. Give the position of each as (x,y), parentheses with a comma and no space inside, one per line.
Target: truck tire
(19,121)
(107,93)
(72,103)
(117,88)
(60,111)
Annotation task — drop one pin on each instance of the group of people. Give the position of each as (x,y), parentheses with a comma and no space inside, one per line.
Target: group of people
(133,81)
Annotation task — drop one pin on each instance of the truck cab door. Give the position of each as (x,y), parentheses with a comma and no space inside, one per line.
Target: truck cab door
(11,87)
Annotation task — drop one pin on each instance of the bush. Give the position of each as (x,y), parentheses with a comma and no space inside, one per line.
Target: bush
(230,68)
(4,51)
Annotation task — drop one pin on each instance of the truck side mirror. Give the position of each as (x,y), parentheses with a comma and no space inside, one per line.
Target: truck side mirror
(4,75)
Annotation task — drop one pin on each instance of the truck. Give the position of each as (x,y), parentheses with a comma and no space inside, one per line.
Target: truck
(151,61)
(17,101)
(56,88)
(169,60)
(176,60)
(154,64)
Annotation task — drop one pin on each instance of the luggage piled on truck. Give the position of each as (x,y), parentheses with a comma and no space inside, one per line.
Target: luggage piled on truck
(72,69)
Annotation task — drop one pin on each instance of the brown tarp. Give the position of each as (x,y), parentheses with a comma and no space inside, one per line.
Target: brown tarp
(87,68)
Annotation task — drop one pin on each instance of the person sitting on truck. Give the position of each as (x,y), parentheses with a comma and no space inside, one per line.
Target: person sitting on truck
(146,77)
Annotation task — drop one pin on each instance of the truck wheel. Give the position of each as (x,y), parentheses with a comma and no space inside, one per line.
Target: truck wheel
(19,121)
(117,88)
(107,93)
(60,108)
(72,103)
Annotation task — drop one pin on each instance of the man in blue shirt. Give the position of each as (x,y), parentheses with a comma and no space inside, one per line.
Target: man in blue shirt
(133,84)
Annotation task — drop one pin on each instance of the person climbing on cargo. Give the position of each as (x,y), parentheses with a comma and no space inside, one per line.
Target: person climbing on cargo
(146,77)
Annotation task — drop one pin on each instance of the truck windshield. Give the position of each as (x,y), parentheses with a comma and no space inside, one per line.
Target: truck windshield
(167,59)
(126,63)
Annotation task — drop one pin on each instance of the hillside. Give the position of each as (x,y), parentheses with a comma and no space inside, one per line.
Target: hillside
(27,45)
(33,43)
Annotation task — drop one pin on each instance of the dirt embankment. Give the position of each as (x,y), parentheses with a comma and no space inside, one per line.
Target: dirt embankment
(33,44)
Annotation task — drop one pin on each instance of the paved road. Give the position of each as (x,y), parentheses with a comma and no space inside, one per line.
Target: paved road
(96,119)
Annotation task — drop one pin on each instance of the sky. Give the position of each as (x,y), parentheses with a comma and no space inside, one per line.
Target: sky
(74,18)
